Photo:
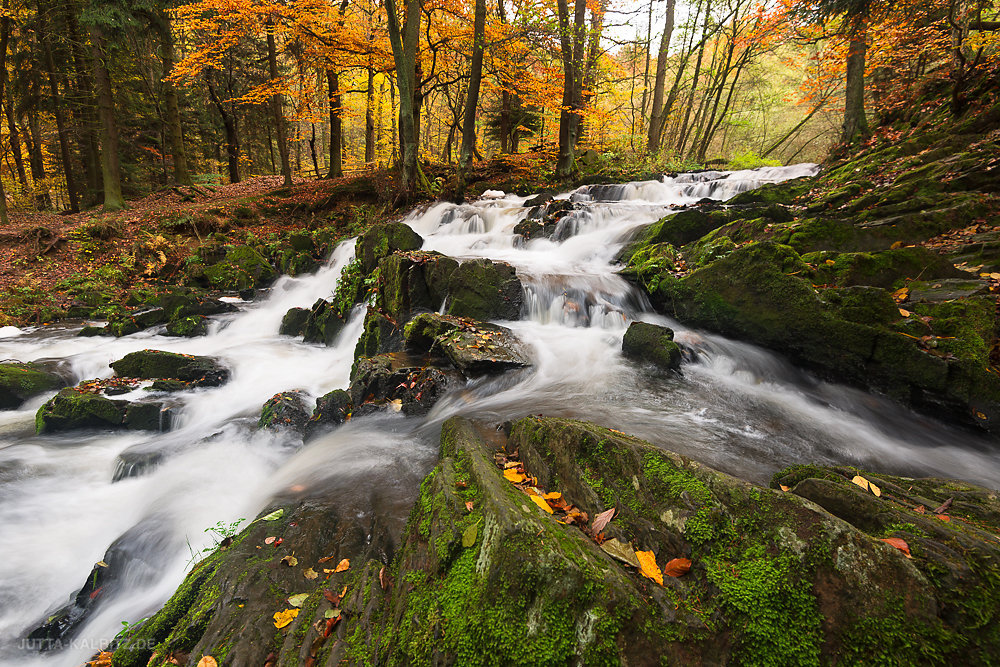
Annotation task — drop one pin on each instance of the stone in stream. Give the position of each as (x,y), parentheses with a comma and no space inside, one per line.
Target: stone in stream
(21,381)
(414,282)
(812,571)
(332,409)
(474,348)
(182,310)
(485,290)
(294,321)
(242,268)
(383,240)
(156,364)
(286,410)
(87,407)
(412,382)
(652,342)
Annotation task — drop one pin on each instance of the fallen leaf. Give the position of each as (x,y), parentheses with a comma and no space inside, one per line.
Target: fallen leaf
(101,563)
(555,495)
(331,598)
(283,618)
(325,559)
(677,567)
(382,579)
(290,561)
(866,485)
(469,505)
(269,540)
(874,489)
(648,567)
(920,509)
(273,516)
(602,520)
(899,544)
(298,600)
(541,503)
(343,565)
(944,517)
(396,405)
(309,573)
(904,312)
(470,535)
(623,552)
(207,661)
(784,488)
(901,295)
(944,506)
(332,613)
(513,476)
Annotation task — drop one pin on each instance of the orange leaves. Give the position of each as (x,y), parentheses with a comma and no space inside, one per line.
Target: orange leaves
(677,567)
(866,485)
(898,544)
(648,567)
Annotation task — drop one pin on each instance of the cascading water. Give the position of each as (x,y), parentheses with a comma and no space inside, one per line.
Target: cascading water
(736,407)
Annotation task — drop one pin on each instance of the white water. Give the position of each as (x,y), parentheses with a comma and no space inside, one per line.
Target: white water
(738,408)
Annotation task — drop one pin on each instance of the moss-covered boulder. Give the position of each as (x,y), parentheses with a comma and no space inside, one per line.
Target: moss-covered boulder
(653,343)
(474,348)
(482,289)
(188,327)
(332,409)
(888,268)
(323,323)
(243,268)
(156,364)
(87,406)
(380,335)
(383,240)
(293,322)
(409,383)
(183,310)
(414,282)
(21,381)
(286,410)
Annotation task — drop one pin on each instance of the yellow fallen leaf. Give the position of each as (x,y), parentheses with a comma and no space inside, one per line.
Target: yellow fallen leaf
(648,566)
(513,476)
(861,481)
(343,565)
(541,503)
(283,618)
(904,312)
(830,262)
(901,295)
(874,489)
(207,661)
(309,573)
(555,495)
(785,488)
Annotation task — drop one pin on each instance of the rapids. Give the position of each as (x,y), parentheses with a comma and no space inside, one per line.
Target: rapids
(738,408)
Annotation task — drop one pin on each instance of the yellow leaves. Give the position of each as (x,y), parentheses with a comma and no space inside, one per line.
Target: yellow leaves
(298,600)
(513,476)
(343,565)
(904,312)
(309,573)
(648,567)
(284,618)
(207,661)
(901,295)
(290,561)
(866,485)
(541,503)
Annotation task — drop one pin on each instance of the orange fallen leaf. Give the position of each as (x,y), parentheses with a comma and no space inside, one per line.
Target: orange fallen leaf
(899,544)
(677,567)
(283,618)
(602,520)
(469,505)
(904,312)
(343,565)
(555,495)
(207,661)
(943,517)
(784,488)
(513,476)
(648,566)
(538,500)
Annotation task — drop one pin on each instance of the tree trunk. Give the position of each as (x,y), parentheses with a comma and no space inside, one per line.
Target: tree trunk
(4,38)
(174,130)
(86,107)
(232,137)
(571,37)
(404,53)
(855,123)
(57,108)
(682,138)
(110,164)
(658,112)
(336,126)
(370,118)
(276,112)
(472,99)
(14,133)
(587,93)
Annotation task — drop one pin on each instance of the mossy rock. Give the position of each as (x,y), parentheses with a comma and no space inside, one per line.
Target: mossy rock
(243,268)
(653,343)
(887,269)
(864,305)
(380,335)
(414,282)
(286,410)
(156,364)
(413,383)
(21,381)
(293,322)
(472,347)
(72,409)
(383,240)
(482,289)
(188,327)
(332,409)
(323,323)
(775,193)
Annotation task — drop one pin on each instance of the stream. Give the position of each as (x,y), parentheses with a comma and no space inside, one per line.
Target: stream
(736,407)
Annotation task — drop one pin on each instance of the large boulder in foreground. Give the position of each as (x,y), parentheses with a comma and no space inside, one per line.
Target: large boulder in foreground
(21,381)
(652,342)
(502,557)
(157,364)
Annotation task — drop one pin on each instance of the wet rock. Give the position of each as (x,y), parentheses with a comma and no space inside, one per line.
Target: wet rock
(383,240)
(323,323)
(380,335)
(21,381)
(414,282)
(188,327)
(183,310)
(169,385)
(652,342)
(887,269)
(135,463)
(242,268)
(156,364)
(332,409)
(398,377)
(474,348)
(482,289)
(89,331)
(88,407)
(286,410)
(294,321)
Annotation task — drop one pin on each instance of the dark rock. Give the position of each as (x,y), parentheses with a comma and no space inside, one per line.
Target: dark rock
(651,342)
(474,348)
(170,385)
(156,364)
(294,322)
(383,240)
(286,410)
(380,335)
(399,377)
(482,289)
(148,417)
(414,282)
(19,382)
(89,331)
(543,197)
(323,322)
(332,409)
(73,409)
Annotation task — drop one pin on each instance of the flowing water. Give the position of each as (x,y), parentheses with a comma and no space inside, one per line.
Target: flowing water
(736,407)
